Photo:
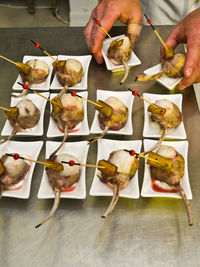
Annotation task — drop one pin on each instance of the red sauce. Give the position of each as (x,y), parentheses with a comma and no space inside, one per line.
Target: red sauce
(71,189)
(115,64)
(16,188)
(70,131)
(157,188)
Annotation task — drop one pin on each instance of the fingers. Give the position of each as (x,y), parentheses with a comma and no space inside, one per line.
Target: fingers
(91,28)
(133,31)
(98,34)
(88,30)
(108,11)
(192,64)
(107,14)
(175,37)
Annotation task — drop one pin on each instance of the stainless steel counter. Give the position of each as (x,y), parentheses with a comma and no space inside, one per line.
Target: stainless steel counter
(144,232)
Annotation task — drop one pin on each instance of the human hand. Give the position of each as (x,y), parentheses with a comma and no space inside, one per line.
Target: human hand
(188,31)
(108,11)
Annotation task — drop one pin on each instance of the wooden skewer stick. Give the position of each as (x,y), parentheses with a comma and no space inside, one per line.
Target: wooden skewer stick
(44,97)
(73,93)
(6,109)
(132,153)
(17,156)
(92,102)
(156,32)
(160,38)
(9,60)
(98,23)
(25,86)
(92,166)
(72,163)
(48,163)
(134,92)
(37,45)
(148,101)
(142,156)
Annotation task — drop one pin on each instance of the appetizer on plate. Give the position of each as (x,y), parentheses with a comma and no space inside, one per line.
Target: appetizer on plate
(61,178)
(68,111)
(114,118)
(12,171)
(119,52)
(171,174)
(68,72)
(24,115)
(122,169)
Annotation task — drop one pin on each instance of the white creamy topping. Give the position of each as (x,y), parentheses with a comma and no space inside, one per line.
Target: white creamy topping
(164,103)
(123,160)
(26,107)
(73,65)
(115,103)
(14,167)
(167,151)
(38,64)
(68,170)
(69,100)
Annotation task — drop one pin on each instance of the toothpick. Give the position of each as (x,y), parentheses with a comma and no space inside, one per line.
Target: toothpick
(48,163)
(37,45)
(98,23)
(92,166)
(92,102)
(132,153)
(73,93)
(8,60)
(25,86)
(72,163)
(134,92)
(141,156)
(6,109)
(17,156)
(156,32)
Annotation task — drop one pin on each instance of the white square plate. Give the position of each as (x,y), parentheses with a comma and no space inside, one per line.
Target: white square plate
(81,129)
(152,129)
(40,86)
(28,150)
(127,99)
(85,61)
(147,190)
(167,82)
(77,149)
(40,104)
(105,147)
(133,60)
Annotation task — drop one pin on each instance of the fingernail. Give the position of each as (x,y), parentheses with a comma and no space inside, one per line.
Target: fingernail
(181,87)
(99,60)
(188,72)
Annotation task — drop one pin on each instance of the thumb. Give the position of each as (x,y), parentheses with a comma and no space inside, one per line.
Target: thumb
(133,31)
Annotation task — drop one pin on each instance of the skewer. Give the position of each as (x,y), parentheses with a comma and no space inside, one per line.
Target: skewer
(9,60)
(6,109)
(37,45)
(20,66)
(73,93)
(17,156)
(132,153)
(98,23)
(48,163)
(156,32)
(25,86)
(134,92)
(72,163)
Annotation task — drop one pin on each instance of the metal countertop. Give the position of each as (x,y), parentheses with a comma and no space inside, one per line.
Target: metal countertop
(144,232)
